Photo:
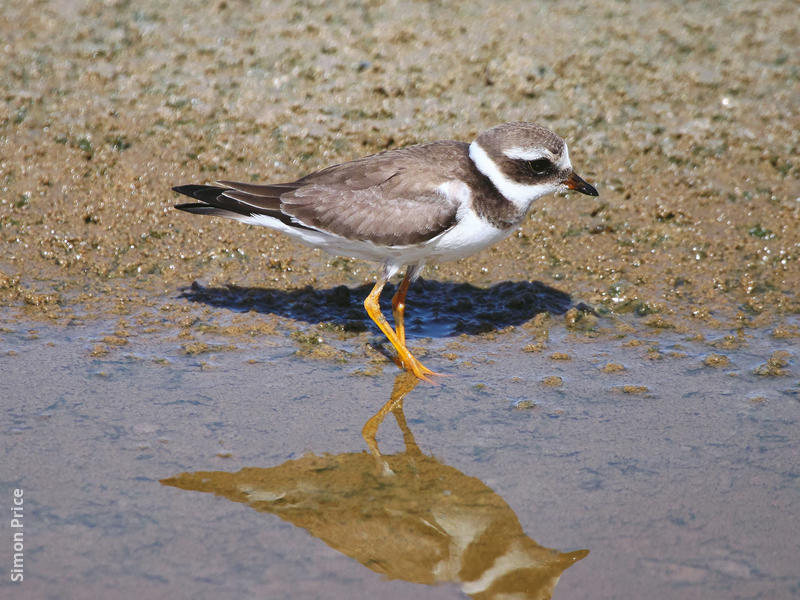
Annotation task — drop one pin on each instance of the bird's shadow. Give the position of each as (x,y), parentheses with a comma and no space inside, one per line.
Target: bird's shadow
(433,308)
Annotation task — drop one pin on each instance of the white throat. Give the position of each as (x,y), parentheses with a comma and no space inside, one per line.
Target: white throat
(521,194)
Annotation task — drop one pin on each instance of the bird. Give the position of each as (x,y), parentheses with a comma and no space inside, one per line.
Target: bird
(408,206)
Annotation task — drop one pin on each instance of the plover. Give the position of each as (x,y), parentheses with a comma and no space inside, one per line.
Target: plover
(404,207)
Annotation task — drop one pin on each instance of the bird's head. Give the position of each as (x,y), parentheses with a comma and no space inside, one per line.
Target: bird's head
(526,161)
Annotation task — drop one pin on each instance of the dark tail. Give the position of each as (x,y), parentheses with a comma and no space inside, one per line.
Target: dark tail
(236,203)
(212,202)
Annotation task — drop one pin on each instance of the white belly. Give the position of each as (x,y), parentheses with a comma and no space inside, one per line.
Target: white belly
(471,234)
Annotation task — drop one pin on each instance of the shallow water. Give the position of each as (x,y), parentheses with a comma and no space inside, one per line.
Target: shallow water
(680,479)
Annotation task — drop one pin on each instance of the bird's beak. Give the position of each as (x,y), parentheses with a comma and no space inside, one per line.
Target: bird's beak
(575,182)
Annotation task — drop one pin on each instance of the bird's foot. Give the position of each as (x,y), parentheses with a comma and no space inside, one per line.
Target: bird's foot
(411,364)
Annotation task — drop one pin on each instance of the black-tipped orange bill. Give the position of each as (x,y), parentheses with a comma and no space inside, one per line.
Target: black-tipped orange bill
(576,182)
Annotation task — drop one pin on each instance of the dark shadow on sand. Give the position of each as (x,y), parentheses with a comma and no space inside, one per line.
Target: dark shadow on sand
(433,308)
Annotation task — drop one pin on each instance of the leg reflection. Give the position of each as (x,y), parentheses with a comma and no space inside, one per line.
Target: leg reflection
(403,384)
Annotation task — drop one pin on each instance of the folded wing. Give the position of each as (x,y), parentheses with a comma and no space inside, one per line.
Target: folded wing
(393,198)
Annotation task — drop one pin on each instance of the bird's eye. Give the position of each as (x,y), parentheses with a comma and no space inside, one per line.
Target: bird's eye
(540,166)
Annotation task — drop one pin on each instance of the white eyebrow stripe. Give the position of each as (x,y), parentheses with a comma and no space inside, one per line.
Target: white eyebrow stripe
(520,194)
(527,153)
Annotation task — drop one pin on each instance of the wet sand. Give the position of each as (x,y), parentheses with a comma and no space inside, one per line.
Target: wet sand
(685,117)
(139,343)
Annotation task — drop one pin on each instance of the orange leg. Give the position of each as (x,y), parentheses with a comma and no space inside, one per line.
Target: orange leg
(409,361)
(399,307)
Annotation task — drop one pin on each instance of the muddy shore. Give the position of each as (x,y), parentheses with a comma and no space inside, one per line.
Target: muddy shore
(685,117)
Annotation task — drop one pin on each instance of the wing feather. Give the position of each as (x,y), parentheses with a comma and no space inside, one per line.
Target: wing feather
(270,190)
(392,198)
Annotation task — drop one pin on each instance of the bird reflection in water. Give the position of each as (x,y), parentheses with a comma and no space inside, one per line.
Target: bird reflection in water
(411,518)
